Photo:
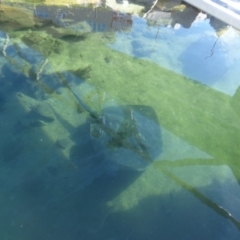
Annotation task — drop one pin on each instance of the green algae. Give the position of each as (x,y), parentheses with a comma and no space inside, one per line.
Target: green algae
(196,113)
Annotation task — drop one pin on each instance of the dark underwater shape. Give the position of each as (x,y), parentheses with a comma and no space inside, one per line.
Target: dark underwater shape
(131,135)
(124,137)
(127,135)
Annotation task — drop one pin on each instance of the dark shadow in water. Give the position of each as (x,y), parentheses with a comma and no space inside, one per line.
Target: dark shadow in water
(41,177)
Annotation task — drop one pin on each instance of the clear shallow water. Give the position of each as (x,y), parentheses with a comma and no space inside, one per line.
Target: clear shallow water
(172,49)
(119,135)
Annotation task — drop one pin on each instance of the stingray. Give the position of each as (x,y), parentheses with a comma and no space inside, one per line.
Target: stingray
(129,135)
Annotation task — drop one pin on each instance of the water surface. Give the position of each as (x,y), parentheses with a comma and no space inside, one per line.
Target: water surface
(118,130)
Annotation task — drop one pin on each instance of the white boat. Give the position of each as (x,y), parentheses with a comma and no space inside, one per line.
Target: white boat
(225,10)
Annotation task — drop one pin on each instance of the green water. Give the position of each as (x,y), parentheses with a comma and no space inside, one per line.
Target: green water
(117,134)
